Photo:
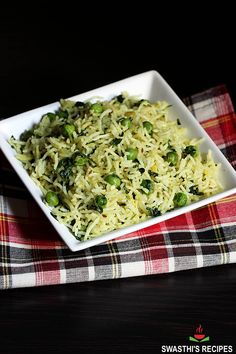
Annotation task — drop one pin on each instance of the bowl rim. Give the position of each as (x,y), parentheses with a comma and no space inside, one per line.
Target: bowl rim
(72,243)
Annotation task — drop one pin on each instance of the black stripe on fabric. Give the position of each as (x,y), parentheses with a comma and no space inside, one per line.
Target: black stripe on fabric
(210,236)
(230,152)
(71,260)
(211,249)
(179,238)
(105,259)
(25,255)
(100,250)
(223,234)
(207,236)
(188,251)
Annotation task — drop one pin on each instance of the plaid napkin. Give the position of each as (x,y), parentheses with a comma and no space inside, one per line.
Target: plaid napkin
(32,254)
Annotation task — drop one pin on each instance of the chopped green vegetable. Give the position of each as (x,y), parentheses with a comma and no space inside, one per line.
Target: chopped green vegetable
(194,190)
(63,114)
(97,107)
(141,170)
(178,121)
(51,116)
(131,153)
(153,211)
(64,168)
(26,135)
(148,184)
(172,158)
(120,98)
(52,198)
(116,141)
(180,199)
(113,179)
(148,126)
(190,150)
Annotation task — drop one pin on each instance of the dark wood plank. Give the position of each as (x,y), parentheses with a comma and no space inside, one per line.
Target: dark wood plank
(135,315)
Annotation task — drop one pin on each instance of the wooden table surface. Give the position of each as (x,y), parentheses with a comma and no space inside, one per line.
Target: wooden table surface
(43,59)
(133,315)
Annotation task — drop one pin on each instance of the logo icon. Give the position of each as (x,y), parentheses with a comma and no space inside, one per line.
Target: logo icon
(199,335)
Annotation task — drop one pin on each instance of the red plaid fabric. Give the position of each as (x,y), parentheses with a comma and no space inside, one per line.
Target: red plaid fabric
(31,253)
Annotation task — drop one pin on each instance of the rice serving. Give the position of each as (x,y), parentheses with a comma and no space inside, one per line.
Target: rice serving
(103,165)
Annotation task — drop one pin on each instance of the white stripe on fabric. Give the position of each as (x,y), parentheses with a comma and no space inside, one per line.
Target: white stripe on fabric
(23,280)
(133,269)
(63,277)
(232,257)
(212,107)
(91,272)
(204,110)
(199,259)
(171,263)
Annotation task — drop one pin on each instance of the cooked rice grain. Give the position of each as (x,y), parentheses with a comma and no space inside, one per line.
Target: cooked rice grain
(49,156)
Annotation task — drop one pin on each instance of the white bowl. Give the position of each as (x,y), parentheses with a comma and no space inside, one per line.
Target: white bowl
(148,85)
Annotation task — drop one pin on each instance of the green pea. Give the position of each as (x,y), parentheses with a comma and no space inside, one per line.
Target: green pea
(68,130)
(101,201)
(113,179)
(81,160)
(172,158)
(131,153)
(180,199)
(97,107)
(148,184)
(148,126)
(52,198)
(126,122)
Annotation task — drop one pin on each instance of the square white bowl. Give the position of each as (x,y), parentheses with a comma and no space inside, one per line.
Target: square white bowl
(148,85)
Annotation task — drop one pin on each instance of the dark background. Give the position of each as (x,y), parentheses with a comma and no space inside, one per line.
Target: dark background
(49,53)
